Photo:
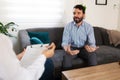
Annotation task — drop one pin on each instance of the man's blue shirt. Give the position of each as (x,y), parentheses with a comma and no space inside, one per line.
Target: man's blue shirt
(78,36)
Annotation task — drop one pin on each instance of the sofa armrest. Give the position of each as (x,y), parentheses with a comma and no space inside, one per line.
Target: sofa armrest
(24,39)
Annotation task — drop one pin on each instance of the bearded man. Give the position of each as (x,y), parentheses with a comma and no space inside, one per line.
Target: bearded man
(78,39)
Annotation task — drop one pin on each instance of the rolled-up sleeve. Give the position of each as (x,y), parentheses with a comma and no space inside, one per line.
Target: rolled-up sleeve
(91,37)
(37,68)
(33,72)
(66,36)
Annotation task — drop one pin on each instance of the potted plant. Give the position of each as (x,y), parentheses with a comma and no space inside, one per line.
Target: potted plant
(4,28)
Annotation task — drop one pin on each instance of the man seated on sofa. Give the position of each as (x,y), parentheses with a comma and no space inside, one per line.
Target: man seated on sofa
(78,39)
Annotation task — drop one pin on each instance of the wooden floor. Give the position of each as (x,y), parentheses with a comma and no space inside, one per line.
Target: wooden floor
(109,71)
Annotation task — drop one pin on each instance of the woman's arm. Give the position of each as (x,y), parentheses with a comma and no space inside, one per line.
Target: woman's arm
(36,69)
(38,65)
(20,55)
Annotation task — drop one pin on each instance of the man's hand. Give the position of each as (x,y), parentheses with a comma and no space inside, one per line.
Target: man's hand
(50,52)
(69,51)
(73,52)
(90,48)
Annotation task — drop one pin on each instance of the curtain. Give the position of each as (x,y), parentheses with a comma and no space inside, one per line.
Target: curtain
(34,13)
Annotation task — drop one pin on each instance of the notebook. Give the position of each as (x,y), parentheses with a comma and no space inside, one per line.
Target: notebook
(31,53)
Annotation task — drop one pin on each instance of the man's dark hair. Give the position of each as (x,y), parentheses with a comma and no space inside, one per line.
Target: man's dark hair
(80,7)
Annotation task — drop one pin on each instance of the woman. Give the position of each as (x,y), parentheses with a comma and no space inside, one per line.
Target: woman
(10,68)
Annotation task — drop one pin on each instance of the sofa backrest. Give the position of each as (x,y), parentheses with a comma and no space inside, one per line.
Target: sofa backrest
(55,34)
(101,36)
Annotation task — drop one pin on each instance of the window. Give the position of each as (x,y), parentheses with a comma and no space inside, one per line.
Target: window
(37,13)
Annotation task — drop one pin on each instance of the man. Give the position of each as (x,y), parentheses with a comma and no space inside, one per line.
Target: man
(78,39)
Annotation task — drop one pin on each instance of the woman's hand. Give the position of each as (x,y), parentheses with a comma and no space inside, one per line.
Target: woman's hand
(50,51)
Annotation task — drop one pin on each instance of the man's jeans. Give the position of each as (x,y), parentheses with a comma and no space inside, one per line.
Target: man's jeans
(88,57)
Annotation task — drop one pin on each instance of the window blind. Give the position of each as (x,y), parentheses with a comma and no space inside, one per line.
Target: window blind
(36,12)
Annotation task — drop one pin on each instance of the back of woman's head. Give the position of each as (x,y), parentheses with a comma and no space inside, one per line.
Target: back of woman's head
(8,59)
(5,42)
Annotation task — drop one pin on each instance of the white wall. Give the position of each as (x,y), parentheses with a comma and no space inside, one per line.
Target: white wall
(119,19)
(68,5)
(68,13)
(106,16)
(102,15)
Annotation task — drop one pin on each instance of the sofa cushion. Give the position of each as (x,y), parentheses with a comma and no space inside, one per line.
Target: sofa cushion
(107,54)
(98,36)
(58,58)
(55,34)
(114,37)
(35,40)
(101,36)
(24,39)
(43,36)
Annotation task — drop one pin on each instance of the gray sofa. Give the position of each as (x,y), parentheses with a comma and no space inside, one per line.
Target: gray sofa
(106,53)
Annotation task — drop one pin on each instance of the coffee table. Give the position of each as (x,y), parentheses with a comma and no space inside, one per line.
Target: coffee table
(109,71)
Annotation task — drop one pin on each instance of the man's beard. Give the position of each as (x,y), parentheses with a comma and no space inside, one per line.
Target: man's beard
(77,20)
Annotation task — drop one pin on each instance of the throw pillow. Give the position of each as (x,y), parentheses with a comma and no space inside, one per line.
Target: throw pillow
(114,37)
(35,40)
(43,36)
